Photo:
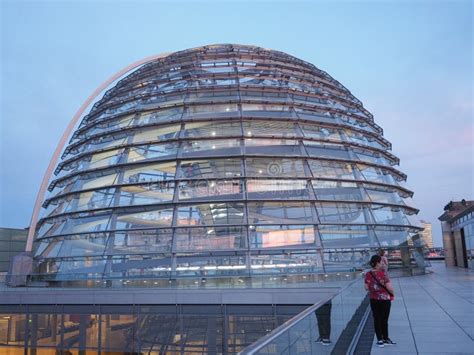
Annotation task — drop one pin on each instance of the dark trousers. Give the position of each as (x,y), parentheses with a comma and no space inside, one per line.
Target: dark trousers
(381,312)
(323,315)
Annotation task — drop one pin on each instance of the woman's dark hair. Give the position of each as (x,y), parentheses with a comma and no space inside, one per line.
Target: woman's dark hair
(374,260)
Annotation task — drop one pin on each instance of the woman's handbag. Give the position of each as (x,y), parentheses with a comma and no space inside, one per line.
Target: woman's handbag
(392,296)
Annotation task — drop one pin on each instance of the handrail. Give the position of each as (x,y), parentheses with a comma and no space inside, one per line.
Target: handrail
(275,333)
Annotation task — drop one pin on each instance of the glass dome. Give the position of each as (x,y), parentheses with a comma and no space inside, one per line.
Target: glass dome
(223,161)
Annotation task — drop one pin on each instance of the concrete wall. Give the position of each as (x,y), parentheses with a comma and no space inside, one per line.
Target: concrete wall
(459,250)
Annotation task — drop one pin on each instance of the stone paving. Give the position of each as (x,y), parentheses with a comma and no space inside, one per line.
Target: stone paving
(432,314)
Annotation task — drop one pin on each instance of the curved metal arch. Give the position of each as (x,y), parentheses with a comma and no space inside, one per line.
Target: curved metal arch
(67,134)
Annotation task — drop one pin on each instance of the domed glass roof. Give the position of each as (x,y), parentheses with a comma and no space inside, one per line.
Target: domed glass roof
(223,161)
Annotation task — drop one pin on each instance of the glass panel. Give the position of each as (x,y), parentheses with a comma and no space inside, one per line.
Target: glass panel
(86,223)
(212,96)
(204,169)
(281,236)
(342,213)
(210,214)
(91,200)
(326,150)
(211,111)
(372,173)
(170,114)
(49,248)
(195,239)
(215,189)
(93,182)
(277,189)
(103,142)
(358,123)
(266,110)
(161,217)
(152,151)
(269,128)
(287,263)
(335,170)
(156,134)
(210,266)
(117,332)
(314,115)
(389,215)
(120,122)
(80,268)
(211,147)
(146,194)
(383,194)
(279,212)
(83,245)
(359,138)
(141,265)
(347,237)
(212,129)
(391,236)
(320,132)
(98,160)
(150,173)
(345,259)
(372,157)
(140,242)
(268,146)
(80,331)
(275,167)
(338,191)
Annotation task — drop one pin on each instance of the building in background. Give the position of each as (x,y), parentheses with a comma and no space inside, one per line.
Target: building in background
(427,234)
(12,243)
(457,224)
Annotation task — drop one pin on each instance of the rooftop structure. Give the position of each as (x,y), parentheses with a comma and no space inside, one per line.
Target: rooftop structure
(457,224)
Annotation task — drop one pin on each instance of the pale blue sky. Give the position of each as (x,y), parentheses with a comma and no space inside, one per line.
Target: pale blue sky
(410,62)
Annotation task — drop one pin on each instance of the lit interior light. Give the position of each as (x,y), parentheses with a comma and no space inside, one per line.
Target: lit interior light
(249,133)
(213,133)
(260,171)
(227,109)
(213,147)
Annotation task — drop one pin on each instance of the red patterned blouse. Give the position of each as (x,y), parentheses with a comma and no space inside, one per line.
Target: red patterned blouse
(376,291)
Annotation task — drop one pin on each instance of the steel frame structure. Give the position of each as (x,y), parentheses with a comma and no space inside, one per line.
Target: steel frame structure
(305,180)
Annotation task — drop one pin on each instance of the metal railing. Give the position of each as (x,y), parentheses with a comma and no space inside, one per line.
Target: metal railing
(316,329)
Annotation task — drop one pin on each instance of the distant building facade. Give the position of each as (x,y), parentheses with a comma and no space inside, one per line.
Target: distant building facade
(457,224)
(12,242)
(427,234)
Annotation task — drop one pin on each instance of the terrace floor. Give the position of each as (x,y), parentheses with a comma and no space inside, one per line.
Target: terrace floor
(433,313)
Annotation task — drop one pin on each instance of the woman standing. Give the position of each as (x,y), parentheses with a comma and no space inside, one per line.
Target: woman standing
(381,293)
